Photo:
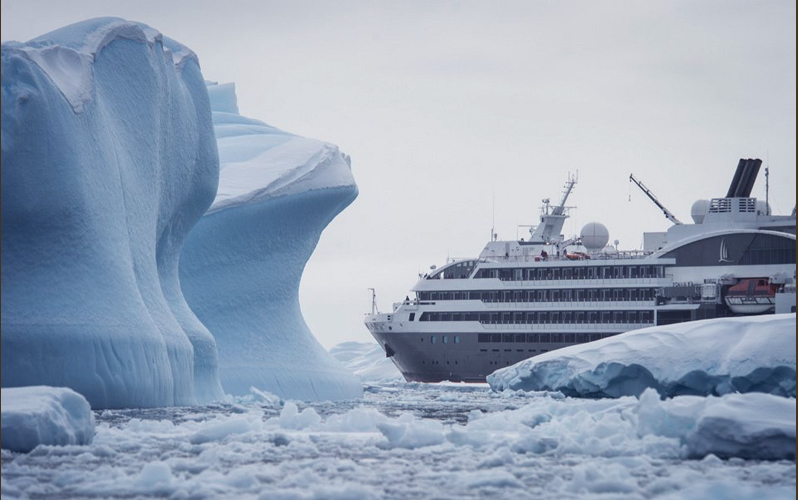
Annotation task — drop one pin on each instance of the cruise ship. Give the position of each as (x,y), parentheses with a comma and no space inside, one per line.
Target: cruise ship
(518,299)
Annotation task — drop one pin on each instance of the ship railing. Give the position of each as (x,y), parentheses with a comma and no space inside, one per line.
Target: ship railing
(567,304)
(657,281)
(555,327)
(397,305)
(614,255)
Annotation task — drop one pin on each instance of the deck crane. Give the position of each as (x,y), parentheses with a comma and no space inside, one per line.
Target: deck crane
(668,214)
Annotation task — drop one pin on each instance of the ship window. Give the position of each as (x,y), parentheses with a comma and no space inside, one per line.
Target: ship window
(555,317)
(520,337)
(507,337)
(483,337)
(495,337)
(445,339)
(433,339)
(412,316)
(545,337)
(456,341)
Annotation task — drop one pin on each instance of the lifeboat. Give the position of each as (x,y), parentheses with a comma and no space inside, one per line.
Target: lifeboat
(752,296)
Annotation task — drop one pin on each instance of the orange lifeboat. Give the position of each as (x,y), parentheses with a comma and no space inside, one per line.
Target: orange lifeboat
(752,296)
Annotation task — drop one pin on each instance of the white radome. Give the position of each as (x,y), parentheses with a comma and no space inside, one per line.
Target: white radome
(699,210)
(594,235)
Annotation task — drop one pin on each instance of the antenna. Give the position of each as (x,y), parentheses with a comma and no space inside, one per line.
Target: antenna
(767,184)
(493,217)
(374,309)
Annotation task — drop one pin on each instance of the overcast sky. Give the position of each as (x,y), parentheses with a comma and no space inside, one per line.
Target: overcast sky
(456,113)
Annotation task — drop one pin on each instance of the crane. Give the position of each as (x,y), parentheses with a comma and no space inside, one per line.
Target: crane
(668,214)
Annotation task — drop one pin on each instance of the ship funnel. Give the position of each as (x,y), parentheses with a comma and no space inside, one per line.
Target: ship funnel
(744,178)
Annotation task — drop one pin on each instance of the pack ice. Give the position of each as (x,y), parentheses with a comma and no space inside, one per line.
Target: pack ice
(242,263)
(108,159)
(709,357)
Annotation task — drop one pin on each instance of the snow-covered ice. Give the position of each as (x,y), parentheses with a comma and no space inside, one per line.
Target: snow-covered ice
(367,361)
(717,356)
(40,415)
(429,441)
(242,263)
(108,160)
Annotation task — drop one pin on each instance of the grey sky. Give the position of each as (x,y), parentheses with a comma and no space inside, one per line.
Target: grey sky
(442,104)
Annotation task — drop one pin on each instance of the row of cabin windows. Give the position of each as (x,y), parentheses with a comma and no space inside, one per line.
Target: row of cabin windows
(572,272)
(563,338)
(444,339)
(547,317)
(562,295)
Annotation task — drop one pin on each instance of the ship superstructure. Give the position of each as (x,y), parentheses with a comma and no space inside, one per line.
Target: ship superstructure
(521,298)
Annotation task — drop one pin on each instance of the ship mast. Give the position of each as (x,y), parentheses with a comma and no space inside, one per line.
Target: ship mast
(551,221)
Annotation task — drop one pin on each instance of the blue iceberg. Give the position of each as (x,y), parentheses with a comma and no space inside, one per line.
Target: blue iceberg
(108,159)
(242,263)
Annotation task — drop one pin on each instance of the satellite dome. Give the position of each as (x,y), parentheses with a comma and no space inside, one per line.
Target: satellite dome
(699,210)
(594,236)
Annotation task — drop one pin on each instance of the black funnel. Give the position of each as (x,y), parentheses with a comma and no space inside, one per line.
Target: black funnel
(748,178)
(736,179)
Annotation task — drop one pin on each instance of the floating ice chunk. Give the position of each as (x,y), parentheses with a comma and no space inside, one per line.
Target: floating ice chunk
(751,426)
(718,356)
(216,430)
(410,432)
(44,415)
(292,418)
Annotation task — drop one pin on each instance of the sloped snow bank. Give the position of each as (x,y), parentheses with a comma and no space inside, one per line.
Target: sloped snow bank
(44,415)
(717,356)
(367,361)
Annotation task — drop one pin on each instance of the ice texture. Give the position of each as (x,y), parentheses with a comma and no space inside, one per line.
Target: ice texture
(44,415)
(397,442)
(242,263)
(108,160)
(367,361)
(708,357)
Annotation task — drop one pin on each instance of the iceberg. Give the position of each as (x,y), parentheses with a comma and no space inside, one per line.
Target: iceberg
(242,263)
(108,160)
(708,357)
(44,415)
(368,362)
